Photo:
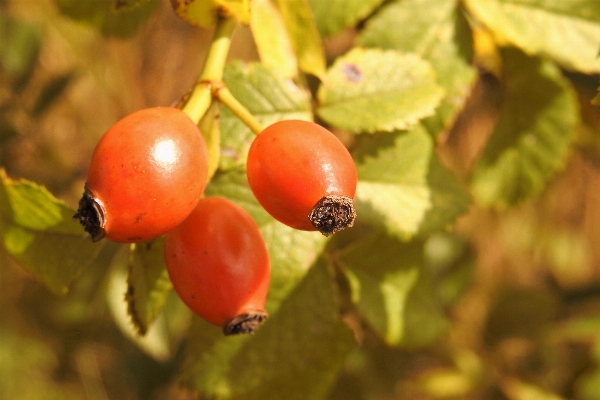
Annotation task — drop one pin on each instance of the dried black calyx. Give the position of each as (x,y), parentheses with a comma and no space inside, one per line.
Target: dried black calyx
(332,214)
(90,214)
(245,323)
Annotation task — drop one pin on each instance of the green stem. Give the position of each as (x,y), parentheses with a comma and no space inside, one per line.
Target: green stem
(201,97)
(229,100)
(218,50)
(198,102)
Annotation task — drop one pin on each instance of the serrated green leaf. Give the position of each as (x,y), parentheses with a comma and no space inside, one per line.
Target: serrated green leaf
(291,251)
(303,35)
(403,187)
(533,135)
(565,31)
(101,15)
(296,354)
(204,13)
(437,31)
(211,132)
(272,41)
(34,225)
(148,283)
(333,16)
(392,290)
(373,90)
(269,96)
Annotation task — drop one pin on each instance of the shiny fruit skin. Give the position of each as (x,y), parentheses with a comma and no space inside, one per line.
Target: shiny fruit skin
(292,164)
(148,172)
(218,262)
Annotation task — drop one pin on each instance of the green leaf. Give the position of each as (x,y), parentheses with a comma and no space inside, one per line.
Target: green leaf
(333,16)
(296,354)
(34,226)
(303,35)
(438,31)
(565,31)
(101,15)
(403,187)
(392,291)
(148,283)
(526,148)
(291,251)
(271,38)
(371,90)
(269,96)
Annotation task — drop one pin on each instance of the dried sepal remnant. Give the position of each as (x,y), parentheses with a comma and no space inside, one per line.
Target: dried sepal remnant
(90,214)
(332,214)
(246,323)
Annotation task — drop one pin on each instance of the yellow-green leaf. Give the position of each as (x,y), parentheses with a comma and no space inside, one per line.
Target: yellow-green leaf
(332,16)
(34,224)
(565,31)
(303,35)
(441,35)
(402,186)
(272,41)
(374,90)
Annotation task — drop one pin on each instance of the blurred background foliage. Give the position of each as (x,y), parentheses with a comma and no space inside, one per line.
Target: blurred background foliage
(520,286)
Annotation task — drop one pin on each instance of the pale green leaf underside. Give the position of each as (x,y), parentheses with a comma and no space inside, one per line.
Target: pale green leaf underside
(526,147)
(34,224)
(372,90)
(565,31)
(268,96)
(296,354)
(333,16)
(148,283)
(392,291)
(437,31)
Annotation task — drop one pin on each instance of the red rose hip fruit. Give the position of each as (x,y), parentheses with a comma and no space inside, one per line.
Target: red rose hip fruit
(219,266)
(146,175)
(303,176)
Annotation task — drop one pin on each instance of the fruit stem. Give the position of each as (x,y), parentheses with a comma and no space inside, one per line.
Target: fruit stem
(222,93)
(218,50)
(198,102)
(201,97)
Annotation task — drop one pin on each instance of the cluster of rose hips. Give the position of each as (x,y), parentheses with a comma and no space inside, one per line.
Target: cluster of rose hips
(147,177)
